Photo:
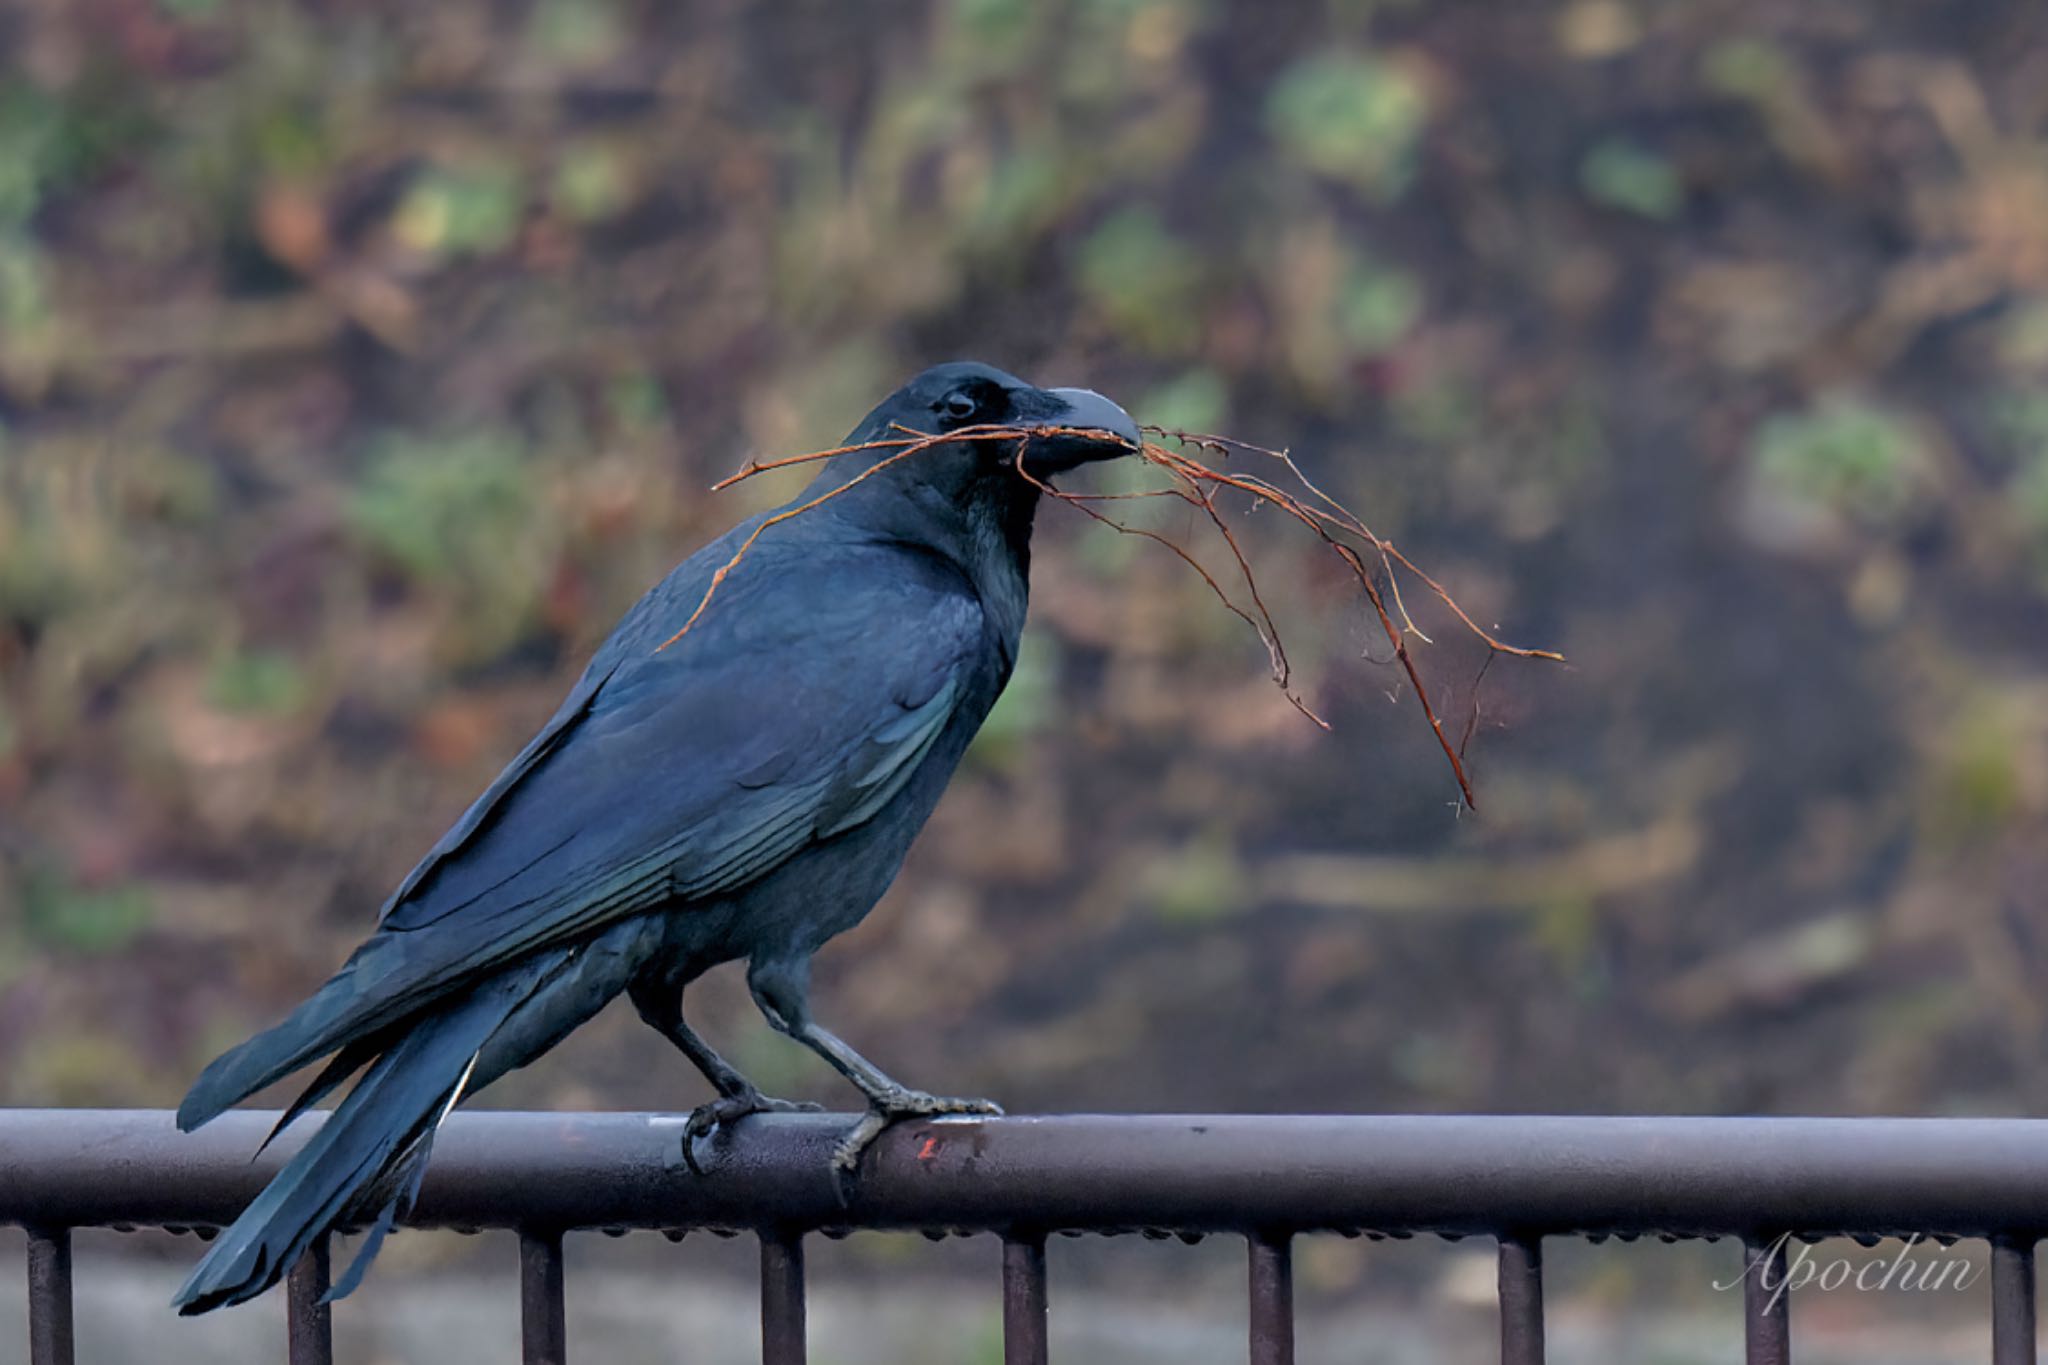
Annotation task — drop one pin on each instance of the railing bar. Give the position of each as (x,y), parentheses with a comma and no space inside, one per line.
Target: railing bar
(1272,1300)
(1766,1305)
(1024,1300)
(1476,1175)
(49,1297)
(309,1320)
(782,1298)
(543,1316)
(1521,1301)
(2012,1301)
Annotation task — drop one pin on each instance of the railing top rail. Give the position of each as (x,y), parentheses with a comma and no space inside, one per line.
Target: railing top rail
(1449,1174)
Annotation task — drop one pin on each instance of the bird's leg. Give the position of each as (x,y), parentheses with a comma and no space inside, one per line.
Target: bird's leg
(782,990)
(661,1006)
(888,1100)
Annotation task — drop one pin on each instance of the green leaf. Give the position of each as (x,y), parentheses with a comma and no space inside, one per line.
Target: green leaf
(1024,189)
(2023,339)
(1749,68)
(1624,176)
(1198,400)
(591,183)
(1026,707)
(635,401)
(84,919)
(258,682)
(443,507)
(1143,278)
(24,286)
(1377,308)
(1353,117)
(999,23)
(1203,879)
(1845,455)
(466,210)
(457,515)
(2029,500)
(576,33)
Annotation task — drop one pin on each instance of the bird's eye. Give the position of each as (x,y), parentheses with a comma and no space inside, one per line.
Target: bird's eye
(959,405)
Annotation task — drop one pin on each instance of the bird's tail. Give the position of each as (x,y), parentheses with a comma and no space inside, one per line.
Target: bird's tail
(380,987)
(382,1129)
(367,1159)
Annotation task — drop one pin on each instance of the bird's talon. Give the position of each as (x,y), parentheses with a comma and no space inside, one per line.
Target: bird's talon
(918,1104)
(886,1109)
(727,1110)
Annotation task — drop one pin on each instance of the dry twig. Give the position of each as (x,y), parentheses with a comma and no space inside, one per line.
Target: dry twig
(1198,484)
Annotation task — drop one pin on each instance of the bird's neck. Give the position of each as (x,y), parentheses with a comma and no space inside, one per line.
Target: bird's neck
(984,532)
(999,562)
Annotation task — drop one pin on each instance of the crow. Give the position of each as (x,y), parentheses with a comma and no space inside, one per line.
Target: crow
(744,789)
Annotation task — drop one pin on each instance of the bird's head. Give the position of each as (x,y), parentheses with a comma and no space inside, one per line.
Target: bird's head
(965,396)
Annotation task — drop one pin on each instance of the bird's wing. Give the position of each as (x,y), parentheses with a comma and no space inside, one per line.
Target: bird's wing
(559,725)
(792,712)
(637,636)
(692,771)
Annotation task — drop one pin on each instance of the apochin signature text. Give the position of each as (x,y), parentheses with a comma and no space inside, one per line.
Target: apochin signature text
(1802,1268)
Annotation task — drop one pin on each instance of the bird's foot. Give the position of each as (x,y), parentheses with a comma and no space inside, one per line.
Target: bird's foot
(889,1106)
(727,1110)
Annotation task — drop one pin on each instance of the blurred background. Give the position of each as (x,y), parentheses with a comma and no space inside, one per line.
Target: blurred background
(360,362)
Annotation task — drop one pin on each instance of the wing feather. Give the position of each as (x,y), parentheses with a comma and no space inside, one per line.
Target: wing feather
(681,774)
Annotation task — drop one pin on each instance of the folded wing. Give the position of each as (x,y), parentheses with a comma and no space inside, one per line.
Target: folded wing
(668,776)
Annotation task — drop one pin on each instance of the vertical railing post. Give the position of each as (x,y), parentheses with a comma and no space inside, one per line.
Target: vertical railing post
(782,1298)
(543,1318)
(49,1297)
(309,1321)
(1272,1299)
(1521,1300)
(1766,1304)
(2012,1301)
(1024,1300)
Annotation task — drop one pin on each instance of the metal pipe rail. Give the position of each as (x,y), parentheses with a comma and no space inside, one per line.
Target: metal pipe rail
(1268,1179)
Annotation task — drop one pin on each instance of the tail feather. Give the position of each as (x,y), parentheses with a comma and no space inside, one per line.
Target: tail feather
(367,1160)
(364,995)
(410,1168)
(392,1111)
(392,978)
(339,1068)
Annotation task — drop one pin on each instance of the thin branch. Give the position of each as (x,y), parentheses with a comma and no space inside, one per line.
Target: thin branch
(1345,517)
(1268,632)
(1197,484)
(911,443)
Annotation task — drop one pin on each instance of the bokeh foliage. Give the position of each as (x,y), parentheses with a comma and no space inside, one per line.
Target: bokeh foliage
(360,362)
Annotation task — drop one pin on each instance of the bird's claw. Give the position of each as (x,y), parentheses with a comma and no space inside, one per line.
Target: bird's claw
(727,1110)
(885,1109)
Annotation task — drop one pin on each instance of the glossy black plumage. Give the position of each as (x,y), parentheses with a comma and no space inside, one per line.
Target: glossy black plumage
(745,792)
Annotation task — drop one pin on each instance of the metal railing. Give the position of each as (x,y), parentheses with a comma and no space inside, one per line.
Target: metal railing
(1266,1179)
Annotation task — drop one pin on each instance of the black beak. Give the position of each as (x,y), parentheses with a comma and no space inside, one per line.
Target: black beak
(1098,430)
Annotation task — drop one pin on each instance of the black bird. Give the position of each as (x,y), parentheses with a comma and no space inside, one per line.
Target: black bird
(746,791)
